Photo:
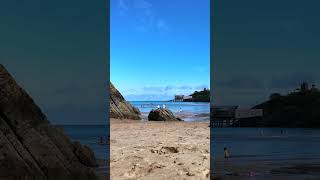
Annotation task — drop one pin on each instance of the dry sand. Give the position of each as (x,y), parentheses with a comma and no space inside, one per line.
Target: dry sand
(159,150)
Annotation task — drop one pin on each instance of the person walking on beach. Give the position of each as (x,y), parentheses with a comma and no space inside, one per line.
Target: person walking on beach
(226,153)
(158,106)
(164,106)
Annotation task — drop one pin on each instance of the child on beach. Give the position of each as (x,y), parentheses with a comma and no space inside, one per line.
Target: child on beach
(226,165)
(226,153)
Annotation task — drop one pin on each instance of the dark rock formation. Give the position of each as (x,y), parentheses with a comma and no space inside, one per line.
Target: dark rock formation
(297,109)
(85,154)
(162,114)
(120,108)
(31,148)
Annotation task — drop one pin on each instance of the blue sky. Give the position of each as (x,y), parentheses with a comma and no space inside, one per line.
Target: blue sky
(261,47)
(159,48)
(56,50)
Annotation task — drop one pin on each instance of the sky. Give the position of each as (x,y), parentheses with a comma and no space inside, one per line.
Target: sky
(56,50)
(262,47)
(159,48)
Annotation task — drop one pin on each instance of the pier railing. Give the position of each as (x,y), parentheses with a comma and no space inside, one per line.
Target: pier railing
(233,117)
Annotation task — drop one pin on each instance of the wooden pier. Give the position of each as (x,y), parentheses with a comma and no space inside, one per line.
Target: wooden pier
(225,122)
(232,116)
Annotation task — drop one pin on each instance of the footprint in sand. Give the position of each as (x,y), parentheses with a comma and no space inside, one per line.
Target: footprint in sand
(112,141)
(192,148)
(190,174)
(139,170)
(154,166)
(180,163)
(133,158)
(170,149)
(135,171)
(165,150)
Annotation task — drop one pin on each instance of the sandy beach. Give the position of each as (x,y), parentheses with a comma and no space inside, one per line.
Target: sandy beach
(159,150)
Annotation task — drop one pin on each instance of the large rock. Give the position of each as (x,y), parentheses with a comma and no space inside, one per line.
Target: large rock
(162,114)
(31,148)
(120,108)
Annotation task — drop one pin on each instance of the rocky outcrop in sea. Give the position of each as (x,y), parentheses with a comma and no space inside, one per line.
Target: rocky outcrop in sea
(32,148)
(120,108)
(162,114)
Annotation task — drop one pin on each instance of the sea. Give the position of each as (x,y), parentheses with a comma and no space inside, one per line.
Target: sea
(188,111)
(273,147)
(90,135)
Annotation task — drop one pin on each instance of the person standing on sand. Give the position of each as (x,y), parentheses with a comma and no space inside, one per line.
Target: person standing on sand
(158,106)
(226,164)
(164,106)
(226,153)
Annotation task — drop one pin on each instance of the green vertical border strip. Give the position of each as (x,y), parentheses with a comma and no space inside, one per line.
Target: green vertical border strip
(107,85)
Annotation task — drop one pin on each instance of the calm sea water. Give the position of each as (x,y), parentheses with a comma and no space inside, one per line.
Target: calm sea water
(261,151)
(188,111)
(279,144)
(89,135)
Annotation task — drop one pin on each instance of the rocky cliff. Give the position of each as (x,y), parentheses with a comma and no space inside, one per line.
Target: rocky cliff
(120,108)
(31,148)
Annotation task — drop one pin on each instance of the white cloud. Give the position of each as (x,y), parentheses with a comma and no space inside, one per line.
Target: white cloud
(144,15)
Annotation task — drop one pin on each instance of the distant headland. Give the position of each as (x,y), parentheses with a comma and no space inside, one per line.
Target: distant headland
(300,108)
(197,96)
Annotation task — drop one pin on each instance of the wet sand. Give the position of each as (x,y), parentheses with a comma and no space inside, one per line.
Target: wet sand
(159,150)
